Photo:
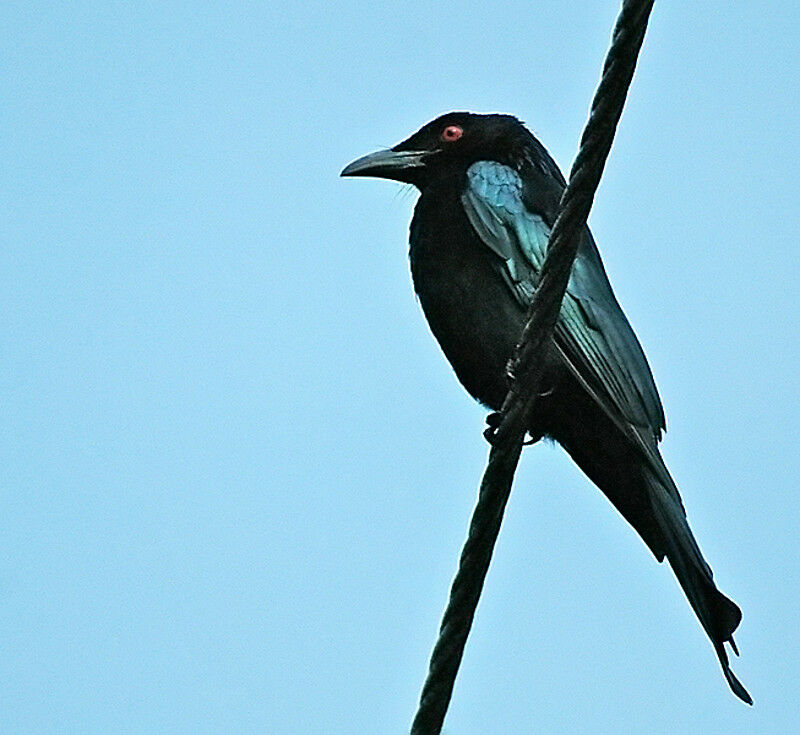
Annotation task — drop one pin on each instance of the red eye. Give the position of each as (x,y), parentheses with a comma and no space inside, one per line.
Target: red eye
(452,133)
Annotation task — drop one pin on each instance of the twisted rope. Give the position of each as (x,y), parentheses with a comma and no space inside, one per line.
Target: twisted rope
(527,364)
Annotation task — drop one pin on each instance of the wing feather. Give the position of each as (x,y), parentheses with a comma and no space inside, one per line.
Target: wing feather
(592,331)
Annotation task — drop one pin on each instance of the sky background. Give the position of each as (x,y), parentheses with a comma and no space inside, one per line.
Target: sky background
(237,471)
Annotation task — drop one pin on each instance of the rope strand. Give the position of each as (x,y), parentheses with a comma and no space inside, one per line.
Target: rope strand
(527,365)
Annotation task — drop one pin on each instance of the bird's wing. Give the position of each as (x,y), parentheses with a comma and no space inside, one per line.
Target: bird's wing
(592,332)
(513,216)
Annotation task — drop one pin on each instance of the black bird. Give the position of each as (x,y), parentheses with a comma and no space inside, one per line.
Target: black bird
(489,195)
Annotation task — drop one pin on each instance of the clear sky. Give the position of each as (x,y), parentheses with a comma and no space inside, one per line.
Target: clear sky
(237,471)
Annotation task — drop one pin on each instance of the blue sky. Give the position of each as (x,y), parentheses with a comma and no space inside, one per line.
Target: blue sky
(237,472)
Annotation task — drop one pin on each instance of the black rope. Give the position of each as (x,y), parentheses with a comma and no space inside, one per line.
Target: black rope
(528,362)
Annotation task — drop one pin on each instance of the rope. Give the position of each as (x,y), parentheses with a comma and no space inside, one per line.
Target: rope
(527,365)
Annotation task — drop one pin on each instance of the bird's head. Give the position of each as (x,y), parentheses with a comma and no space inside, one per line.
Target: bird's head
(448,144)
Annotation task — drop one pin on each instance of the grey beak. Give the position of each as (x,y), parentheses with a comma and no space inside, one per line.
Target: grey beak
(386,164)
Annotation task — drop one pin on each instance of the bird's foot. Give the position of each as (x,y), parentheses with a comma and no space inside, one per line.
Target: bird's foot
(493,421)
(532,438)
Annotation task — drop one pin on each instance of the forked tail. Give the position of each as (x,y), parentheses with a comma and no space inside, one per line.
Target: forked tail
(718,615)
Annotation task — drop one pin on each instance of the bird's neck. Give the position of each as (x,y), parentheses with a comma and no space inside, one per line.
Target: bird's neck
(440,235)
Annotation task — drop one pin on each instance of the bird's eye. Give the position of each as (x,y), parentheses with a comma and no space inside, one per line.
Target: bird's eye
(452,133)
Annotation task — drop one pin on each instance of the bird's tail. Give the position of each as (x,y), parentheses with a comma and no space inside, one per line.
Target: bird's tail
(624,462)
(718,615)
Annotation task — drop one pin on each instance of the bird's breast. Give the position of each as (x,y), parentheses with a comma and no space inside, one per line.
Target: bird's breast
(468,306)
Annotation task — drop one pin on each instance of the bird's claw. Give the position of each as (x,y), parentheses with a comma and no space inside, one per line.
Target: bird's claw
(532,439)
(493,421)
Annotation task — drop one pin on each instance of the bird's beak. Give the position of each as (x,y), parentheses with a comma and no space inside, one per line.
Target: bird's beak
(386,164)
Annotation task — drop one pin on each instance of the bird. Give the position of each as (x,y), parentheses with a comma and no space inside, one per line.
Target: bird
(489,195)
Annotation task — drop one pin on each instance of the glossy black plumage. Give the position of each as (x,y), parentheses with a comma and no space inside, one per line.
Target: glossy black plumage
(489,195)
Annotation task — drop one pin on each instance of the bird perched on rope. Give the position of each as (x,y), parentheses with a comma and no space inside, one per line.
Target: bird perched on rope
(489,195)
